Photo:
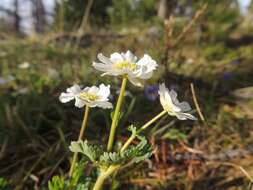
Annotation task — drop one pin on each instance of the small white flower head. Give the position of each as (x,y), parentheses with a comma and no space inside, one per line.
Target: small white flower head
(127,64)
(90,96)
(170,103)
(24,65)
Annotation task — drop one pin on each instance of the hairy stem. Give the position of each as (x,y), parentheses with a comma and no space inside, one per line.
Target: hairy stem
(116,114)
(103,176)
(81,134)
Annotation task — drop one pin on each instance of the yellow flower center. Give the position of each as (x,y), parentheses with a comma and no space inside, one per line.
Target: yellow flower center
(126,65)
(89,96)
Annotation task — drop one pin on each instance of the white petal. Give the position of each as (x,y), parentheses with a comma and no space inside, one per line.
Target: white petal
(144,74)
(166,100)
(66,97)
(102,67)
(147,61)
(116,57)
(86,89)
(135,81)
(75,89)
(104,91)
(170,103)
(93,90)
(112,73)
(129,56)
(79,103)
(146,66)
(162,89)
(105,105)
(104,59)
(163,102)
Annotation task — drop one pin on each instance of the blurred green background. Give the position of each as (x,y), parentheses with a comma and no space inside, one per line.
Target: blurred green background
(47,45)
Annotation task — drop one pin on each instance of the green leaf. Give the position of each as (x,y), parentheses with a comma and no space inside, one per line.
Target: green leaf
(57,183)
(108,158)
(93,152)
(140,152)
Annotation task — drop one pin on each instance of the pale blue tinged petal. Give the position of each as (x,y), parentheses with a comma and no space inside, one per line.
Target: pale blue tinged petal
(181,116)
(184,106)
(189,116)
(173,95)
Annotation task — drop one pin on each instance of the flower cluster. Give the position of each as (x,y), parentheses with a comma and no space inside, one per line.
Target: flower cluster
(128,65)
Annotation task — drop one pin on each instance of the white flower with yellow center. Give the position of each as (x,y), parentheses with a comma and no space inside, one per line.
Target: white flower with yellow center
(90,96)
(127,64)
(170,103)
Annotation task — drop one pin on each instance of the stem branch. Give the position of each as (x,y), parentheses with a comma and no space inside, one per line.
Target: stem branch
(128,142)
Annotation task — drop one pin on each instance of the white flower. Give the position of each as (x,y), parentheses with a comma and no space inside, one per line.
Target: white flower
(127,64)
(24,65)
(170,103)
(90,96)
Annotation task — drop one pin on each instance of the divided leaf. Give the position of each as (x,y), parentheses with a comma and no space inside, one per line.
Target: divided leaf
(93,152)
(133,154)
(96,155)
(140,152)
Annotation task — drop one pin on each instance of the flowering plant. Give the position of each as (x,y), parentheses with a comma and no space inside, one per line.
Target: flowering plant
(108,162)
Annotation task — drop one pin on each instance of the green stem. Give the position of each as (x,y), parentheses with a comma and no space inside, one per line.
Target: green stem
(152,121)
(128,142)
(116,114)
(103,176)
(81,133)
